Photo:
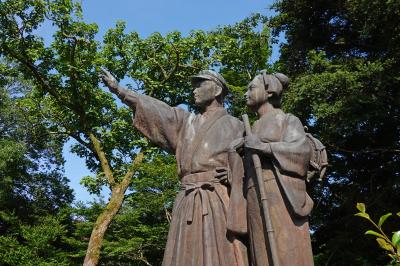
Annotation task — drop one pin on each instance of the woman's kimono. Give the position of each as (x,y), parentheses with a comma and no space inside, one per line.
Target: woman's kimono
(289,203)
(198,231)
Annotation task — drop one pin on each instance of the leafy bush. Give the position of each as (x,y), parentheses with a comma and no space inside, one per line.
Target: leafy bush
(391,246)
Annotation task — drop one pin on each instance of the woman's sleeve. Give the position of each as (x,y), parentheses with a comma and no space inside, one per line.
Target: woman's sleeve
(292,153)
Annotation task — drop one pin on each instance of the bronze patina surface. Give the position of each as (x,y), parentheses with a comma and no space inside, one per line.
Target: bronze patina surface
(198,233)
(279,141)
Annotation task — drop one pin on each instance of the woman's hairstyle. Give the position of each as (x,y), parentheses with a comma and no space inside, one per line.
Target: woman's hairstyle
(274,83)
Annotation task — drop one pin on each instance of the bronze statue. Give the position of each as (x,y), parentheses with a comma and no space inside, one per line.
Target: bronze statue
(198,232)
(277,209)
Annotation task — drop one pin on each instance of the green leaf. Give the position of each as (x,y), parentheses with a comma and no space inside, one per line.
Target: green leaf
(396,238)
(363,214)
(371,232)
(398,214)
(361,207)
(383,218)
(384,244)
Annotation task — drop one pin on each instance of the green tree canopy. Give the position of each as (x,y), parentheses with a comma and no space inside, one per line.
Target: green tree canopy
(343,57)
(34,192)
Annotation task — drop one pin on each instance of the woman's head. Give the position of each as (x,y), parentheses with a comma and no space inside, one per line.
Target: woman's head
(266,87)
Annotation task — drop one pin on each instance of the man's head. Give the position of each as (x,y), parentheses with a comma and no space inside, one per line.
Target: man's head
(208,86)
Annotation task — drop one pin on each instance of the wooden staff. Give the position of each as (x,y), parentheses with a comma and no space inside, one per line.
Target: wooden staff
(263,198)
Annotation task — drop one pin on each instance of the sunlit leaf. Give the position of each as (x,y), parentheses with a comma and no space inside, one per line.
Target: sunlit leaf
(396,238)
(361,207)
(384,244)
(383,218)
(363,214)
(371,232)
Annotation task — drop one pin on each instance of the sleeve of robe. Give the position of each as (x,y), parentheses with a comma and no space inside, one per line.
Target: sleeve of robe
(236,214)
(292,153)
(156,120)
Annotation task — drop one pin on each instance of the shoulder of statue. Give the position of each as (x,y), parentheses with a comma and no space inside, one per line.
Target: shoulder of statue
(293,123)
(233,120)
(291,118)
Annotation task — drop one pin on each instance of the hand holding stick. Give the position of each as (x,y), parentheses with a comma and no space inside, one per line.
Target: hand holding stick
(263,198)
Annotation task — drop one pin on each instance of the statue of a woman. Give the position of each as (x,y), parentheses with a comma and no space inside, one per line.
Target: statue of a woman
(280,142)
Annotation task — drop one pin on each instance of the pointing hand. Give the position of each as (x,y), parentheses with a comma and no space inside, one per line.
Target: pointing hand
(109,80)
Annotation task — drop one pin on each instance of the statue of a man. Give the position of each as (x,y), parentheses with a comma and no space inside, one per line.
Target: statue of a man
(280,142)
(198,232)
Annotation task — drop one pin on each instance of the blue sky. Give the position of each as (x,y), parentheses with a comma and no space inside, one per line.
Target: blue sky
(146,17)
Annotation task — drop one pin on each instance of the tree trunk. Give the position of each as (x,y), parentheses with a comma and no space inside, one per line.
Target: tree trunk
(103,221)
(101,225)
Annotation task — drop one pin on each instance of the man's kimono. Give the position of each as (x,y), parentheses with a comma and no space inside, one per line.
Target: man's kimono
(198,232)
(284,168)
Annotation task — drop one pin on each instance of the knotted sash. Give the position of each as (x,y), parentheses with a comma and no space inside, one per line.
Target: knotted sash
(196,186)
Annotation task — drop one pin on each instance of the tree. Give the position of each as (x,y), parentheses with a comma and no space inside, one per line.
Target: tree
(33,189)
(139,231)
(343,57)
(31,169)
(64,79)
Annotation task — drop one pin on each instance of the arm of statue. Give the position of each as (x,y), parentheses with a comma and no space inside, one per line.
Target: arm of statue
(155,119)
(293,151)
(127,96)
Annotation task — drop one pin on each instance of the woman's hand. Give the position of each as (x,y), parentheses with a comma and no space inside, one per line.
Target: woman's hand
(237,145)
(254,143)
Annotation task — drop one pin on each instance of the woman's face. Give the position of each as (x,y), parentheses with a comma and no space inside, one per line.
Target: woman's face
(256,94)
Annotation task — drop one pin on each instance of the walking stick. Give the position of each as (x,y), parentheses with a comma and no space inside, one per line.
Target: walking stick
(263,197)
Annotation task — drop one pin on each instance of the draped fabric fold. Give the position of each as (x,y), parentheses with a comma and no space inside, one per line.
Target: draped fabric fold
(237,220)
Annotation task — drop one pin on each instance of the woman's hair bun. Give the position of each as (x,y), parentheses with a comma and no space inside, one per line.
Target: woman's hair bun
(283,79)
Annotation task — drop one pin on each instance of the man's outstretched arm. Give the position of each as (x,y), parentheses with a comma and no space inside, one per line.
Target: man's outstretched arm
(127,96)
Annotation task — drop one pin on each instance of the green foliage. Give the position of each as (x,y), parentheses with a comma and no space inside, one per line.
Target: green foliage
(161,66)
(139,231)
(40,244)
(33,190)
(391,246)
(343,61)
(31,173)
(242,51)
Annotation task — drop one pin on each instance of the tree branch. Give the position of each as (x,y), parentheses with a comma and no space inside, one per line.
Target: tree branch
(378,150)
(41,80)
(167,77)
(134,166)
(103,159)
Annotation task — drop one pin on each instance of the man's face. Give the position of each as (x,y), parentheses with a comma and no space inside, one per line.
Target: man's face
(204,92)
(256,94)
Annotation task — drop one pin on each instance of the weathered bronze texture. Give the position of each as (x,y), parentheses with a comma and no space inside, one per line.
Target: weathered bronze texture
(198,233)
(263,198)
(280,142)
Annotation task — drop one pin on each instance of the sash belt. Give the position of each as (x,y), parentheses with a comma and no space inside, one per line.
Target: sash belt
(195,186)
